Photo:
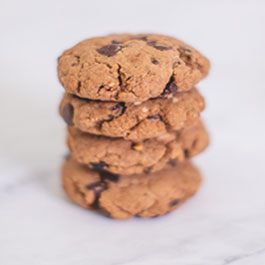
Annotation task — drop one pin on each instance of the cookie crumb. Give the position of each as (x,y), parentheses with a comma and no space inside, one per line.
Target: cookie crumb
(145,109)
(175,100)
(135,181)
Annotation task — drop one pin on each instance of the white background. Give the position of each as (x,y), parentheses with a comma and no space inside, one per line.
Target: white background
(222,224)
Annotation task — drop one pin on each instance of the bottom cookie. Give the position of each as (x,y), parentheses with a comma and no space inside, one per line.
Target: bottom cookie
(123,196)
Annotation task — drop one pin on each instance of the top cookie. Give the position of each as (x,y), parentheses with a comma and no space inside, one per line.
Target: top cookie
(130,68)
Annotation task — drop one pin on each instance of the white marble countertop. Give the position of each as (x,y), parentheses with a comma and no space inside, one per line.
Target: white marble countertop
(223,224)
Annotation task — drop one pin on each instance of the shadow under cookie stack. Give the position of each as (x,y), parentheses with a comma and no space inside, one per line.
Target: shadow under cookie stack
(133,117)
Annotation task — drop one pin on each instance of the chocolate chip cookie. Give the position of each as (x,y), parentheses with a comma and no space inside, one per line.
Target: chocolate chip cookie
(133,121)
(130,68)
(123,197)
(127,157)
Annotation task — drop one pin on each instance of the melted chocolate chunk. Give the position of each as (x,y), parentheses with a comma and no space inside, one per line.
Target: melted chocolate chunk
(172,162)
(98,166)
(109,50)
(107,175)
(97,187)
(155,117)
(68,113)
(171,88)
(158,47)
(154,61)
(116,42)
(173,203)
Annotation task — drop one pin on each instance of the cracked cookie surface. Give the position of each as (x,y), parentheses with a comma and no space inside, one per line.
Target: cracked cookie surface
(130,68)
(122,197)
(127,157)
(133,121)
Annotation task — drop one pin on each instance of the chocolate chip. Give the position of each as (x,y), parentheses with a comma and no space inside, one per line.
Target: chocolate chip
(147,170)
(68,113)
(176,63)
(163,48)
(110,117)
(116,42)
(185,49)
(171,88)
(77,57)
(143,38)
(186,153)
(98,166)
(154,61)
(172,162)
(78,86)
(185,54)
(154,117)
(107,175)
(109,50)
(98,186)
(158,47)
(119,75)
(173,203)
(151,43)
(118,108)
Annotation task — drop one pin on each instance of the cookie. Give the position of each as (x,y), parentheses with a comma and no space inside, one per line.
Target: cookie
(137,122)
(130,68)
(126,157)
(122,196)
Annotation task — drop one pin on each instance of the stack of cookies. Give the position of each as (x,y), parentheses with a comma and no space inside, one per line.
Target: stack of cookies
(133,117)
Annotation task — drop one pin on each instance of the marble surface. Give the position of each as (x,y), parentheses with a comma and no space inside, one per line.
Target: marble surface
(223,224)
